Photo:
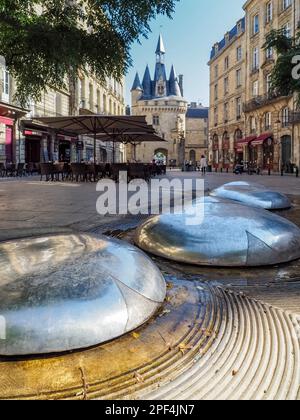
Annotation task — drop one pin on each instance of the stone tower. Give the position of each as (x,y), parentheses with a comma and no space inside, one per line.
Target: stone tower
(161,100)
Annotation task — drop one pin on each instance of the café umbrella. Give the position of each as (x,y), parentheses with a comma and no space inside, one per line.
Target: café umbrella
(113,127)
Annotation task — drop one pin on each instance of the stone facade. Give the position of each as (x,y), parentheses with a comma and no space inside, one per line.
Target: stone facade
(270,140)
(161,101)
(31,143)
(227,95)
(196,142)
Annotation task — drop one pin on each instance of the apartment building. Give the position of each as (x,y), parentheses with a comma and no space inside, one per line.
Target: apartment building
(268,132)
(23,139)
(227,95)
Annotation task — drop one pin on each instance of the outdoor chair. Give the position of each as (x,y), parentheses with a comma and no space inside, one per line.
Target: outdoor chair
(47,170)
(20,171)
(101,169)
(59,170)
(11,170)
(116,169)
(79,172)
(136,171)
(30,169)
(2,169)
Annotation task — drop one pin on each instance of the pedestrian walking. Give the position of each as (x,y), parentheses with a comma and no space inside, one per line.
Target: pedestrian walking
(203,165)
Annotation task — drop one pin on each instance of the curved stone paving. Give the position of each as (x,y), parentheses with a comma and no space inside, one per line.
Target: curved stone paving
(225,346)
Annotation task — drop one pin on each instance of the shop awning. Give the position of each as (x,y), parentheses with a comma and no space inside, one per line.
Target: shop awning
(244,142)
(261,139)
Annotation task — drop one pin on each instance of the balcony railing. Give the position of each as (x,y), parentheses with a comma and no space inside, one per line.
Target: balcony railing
(259,102)
(294,118)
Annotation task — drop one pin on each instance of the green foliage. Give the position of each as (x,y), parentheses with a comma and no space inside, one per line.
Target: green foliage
(44,41)
(283,83)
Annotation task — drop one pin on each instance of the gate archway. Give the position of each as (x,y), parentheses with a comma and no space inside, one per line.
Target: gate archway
(161,156)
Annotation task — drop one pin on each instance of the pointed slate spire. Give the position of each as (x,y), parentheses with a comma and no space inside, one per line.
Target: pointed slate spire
(174,84)
(147,83)
(160,49)
(137,83)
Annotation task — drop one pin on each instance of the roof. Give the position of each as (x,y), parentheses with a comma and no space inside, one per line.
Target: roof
(200,113)
(137,83)
(160,49)
(232,34)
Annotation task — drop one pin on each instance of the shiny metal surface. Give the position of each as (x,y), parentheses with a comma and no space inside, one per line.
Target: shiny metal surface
(231,235)
(253,195)
(66,292)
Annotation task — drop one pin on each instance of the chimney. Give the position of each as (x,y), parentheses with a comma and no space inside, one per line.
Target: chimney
(181,83)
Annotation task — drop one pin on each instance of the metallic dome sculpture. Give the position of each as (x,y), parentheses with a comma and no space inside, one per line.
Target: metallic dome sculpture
(231,235)
(253,195)
(67,292)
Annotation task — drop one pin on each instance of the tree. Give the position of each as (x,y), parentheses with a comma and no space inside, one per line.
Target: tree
(285,80)
(47,42)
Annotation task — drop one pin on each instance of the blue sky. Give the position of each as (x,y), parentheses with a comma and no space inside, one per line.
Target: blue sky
(196,26)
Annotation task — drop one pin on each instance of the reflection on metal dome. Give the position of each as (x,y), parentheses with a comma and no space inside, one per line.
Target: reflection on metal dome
(67,292)
(253,195)
(231,235)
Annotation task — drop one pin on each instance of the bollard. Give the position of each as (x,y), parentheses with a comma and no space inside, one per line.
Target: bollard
(297,172)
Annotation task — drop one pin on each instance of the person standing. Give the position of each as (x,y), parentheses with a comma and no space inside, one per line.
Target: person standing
(203,165)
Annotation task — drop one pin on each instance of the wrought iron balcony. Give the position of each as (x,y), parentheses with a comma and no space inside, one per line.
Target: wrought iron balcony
(260,101)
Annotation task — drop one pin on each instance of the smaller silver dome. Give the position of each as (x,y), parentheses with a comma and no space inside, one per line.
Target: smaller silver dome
(253,195)
(67,292)
(231,235)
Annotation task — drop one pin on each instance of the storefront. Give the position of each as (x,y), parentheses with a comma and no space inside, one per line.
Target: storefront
(244,151)
(64,148)
(225,151)
(6,133)
(37,146)
(238,149)
(262,150)
(216,152)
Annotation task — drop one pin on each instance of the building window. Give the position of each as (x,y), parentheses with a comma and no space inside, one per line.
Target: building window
(253,125)
(226,112)
(285,116)
(226,85)
(226,63)
(255,89)
(238,78)
(6,85)
(255,24)
(269,12)
(238,108)
(216,92)
(269,83)
(269,53)
(216,71)
(155,120)
(286,4)
(268,121)
(255,59)
(58,104)
(239,53)
(287,30)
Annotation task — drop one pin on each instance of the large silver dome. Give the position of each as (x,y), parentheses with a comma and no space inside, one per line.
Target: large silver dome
(254,195)
(230,235)
(66,292)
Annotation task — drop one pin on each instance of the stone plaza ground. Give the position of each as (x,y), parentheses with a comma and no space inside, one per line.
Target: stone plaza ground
(247,317)
(29,207)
